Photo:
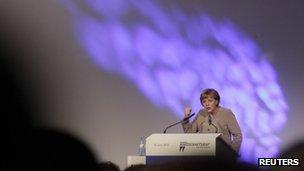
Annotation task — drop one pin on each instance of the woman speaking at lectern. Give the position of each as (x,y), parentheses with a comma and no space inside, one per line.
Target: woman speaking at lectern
(214,119)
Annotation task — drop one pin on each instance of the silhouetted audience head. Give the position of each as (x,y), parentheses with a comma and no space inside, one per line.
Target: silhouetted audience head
(138,167)
(294,151)
(206,165)
(53,150)
(108,166)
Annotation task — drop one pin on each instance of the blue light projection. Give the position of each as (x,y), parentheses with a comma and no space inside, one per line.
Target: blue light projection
(170,56)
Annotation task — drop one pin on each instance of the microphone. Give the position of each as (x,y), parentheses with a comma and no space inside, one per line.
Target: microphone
(209,120)
(183,120)
(210,123)
(188,117)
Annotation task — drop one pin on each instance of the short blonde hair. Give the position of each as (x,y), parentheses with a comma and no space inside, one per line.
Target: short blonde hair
(210,92)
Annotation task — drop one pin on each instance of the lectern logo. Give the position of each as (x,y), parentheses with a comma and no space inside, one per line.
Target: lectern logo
(183,145)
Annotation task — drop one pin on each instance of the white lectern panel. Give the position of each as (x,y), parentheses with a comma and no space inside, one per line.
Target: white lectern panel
(181,145)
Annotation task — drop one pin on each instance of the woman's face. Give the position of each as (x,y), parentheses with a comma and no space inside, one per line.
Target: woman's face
(210,104)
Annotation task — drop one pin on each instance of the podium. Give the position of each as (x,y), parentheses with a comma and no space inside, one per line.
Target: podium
(162,148)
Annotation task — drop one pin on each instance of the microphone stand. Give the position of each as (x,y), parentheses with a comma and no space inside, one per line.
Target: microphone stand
(183,120)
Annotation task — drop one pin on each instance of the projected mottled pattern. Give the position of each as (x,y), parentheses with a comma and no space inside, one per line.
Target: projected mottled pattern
(170,56)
